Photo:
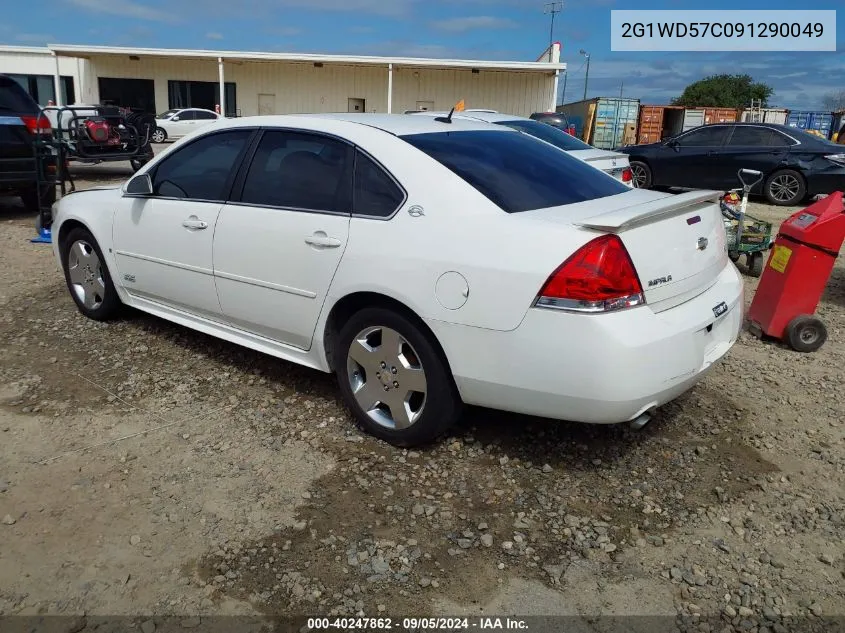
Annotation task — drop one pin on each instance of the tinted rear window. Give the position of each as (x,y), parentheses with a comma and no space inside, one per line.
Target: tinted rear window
(546,132)
(516,171)
(13,98)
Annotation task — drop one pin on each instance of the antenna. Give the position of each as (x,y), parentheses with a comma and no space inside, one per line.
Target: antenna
(446,119)
(554,8)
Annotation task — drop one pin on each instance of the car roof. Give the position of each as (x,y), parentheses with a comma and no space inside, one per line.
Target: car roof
(397,124)
(477,115)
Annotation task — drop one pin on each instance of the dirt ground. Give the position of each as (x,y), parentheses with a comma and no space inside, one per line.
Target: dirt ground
(150,471)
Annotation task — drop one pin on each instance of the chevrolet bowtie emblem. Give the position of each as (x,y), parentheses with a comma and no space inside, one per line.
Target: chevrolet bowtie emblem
(702,243)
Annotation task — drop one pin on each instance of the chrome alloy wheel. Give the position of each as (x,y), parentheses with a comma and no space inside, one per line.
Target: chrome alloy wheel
(386,377)
(785,187)
(638,176)
(85,272)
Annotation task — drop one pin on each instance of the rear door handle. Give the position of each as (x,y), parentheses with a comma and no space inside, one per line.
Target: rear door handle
(321,240)
(194,222)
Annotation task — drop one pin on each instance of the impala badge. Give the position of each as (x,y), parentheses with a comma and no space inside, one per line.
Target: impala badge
(702,243)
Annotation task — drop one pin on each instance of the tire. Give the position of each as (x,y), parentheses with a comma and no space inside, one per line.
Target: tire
(137,163)
(30,199)
(159,135)
(87,276)
(642,176)
(806,333)
(421,415)
(785,188)
(755,264)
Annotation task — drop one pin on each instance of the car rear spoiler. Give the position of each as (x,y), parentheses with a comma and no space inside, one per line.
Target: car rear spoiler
(645,212)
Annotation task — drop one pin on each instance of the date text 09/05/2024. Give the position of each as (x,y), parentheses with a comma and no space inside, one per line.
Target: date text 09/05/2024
(417,624)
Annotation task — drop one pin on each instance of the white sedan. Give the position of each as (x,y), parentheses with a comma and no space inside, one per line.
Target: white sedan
(428,263)
(180,122)
(615,164)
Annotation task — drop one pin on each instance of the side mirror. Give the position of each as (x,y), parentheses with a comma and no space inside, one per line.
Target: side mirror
(140,185)
(176,118)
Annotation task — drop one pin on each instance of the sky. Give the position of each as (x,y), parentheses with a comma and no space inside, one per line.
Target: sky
(465,29)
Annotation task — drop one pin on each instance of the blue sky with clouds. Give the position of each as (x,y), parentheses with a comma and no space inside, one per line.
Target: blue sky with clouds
(468,29)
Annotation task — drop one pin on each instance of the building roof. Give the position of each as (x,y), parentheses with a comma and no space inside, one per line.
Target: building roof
(72,50)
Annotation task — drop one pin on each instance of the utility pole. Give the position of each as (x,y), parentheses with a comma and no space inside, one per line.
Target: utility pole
(587,74)
(621,87)
(563,96)
(552,8)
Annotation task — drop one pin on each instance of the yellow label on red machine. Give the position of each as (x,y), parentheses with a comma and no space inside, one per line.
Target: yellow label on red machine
(780,258)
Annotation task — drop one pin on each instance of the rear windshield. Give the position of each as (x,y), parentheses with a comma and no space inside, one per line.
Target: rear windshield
(516,171)
(13,98)
(548,133)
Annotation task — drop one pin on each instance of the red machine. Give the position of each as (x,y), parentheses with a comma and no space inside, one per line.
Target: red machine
(796,275)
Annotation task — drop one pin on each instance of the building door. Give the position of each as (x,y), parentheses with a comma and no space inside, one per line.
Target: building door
(266,104)
(128,93)
(357,105)
(201,94)
(425,106)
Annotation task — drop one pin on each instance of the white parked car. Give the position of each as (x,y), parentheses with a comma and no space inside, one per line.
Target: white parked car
(614,163)
(426,263)
(180,122)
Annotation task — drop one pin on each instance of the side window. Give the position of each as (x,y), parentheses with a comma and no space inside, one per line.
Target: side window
(204,116)
(298,170)
(780,140)
(750,136)
(705,137)
(201,169)
(186,115)
(375,192)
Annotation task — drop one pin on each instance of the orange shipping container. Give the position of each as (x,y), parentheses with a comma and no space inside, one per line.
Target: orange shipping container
(720,115)
(659,122)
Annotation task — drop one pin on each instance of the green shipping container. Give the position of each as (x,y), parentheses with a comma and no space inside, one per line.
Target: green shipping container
(612,114)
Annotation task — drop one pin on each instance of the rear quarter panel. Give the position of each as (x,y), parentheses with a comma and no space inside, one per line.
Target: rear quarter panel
(505,258)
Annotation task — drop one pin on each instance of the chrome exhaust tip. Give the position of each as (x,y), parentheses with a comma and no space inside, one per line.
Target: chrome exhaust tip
(640,421)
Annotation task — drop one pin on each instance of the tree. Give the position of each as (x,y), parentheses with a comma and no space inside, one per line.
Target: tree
(834,101)
(724,91)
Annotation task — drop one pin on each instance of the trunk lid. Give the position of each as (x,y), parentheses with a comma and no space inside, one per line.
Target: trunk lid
(676,242)
(612,163)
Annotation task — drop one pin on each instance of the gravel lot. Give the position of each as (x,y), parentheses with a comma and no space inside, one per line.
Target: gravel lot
(149,470)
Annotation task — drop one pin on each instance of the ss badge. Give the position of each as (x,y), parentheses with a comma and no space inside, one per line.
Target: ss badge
(720,309)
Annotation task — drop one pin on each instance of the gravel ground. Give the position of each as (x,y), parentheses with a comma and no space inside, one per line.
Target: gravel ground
(147,470)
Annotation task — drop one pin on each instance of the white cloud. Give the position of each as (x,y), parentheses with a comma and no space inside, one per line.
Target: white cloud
(212,35)
(459,25)
(125,8)
(392,8)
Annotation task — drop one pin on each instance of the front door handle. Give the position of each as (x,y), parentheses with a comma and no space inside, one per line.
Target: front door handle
(195,223)
(321,240)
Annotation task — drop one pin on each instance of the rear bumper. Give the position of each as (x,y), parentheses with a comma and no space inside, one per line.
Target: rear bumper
(595,368)
(826,182)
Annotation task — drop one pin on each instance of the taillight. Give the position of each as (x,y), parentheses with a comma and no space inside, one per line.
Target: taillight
(627,175)
(599,277)
(37,124)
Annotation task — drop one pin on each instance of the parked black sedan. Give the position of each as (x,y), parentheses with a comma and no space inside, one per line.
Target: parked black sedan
(796,165)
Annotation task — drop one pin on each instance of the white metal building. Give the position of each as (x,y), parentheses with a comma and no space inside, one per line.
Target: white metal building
(245,84)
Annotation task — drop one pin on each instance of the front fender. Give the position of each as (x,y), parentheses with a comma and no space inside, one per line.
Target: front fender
(94,210)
